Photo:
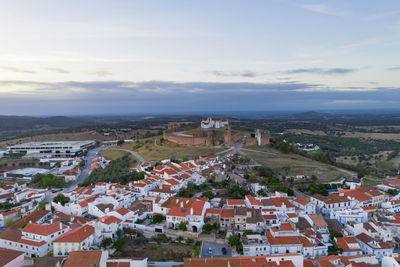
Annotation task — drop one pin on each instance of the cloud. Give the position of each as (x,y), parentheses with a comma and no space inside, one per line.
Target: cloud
(100,73)
(328,71)
(324,9)
(14,69)
(243,73)
(58,70)
(394,68)
(102,97)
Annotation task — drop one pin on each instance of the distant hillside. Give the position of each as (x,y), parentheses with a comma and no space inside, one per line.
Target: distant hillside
(13,123)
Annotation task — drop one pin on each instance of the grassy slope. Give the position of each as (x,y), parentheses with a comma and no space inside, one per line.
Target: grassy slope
(112,154)
(151,149)
(292,164)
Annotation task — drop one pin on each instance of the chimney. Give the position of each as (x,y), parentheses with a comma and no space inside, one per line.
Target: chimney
(60,225)
(177,200)
(191,211)
(51,221)
(181,204)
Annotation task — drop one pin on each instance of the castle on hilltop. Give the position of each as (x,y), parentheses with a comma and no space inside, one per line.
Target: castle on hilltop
(213,123)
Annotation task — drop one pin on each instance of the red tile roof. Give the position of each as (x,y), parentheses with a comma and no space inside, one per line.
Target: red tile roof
(76,235)
(233,202)
(122,211)
(109,220)
(44,229)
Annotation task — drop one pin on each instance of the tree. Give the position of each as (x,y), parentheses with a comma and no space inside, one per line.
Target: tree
(9,221)
(42,205)
(82,164)
(179,239)
(106,242)
(60,198)
(118,232)
(210,195)
(120,142)
(182,226)
(157,218)
(189,241)
(119,243)
(47,180)
(233,240)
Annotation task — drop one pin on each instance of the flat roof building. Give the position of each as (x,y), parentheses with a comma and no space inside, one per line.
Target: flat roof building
(58,149)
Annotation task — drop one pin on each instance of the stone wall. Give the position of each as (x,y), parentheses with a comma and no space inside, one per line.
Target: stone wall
(185,140)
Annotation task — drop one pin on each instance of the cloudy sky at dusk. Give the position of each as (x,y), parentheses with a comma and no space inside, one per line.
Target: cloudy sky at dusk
(95,56)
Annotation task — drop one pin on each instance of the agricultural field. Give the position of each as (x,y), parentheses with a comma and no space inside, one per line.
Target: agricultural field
(292,164)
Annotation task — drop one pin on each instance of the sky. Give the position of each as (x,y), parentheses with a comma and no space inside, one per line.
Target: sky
(167,56)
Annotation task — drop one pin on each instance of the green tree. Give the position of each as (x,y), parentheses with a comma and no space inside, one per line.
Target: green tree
(82,164)
(189,241)
(157,218)
(106,242)
(118,232)
(119,243)
(233,240)
(60,198)
(210,195)
(9,221)
(182,226)
(42,205)
(179,239)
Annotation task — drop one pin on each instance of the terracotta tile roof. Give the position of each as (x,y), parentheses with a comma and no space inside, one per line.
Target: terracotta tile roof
(172,182)
(331,199)
(305,241)
(76,235)
(190,205)
(318,220)
(232,202)
(242,261)
(32,242)
(163,190)
(8,255)
(345,243)
(253,201)
(366,239)
(11,234)
(83,258)
(33,217)
(282,240)
(109,220)
(285,227)
(103,207)
(270,217)
(279,201)
(213,211)
(44,229)
(301,201)
(122,211)
(228,213)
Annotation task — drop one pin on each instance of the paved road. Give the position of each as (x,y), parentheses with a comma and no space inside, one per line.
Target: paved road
(140,158)
(216,250)
(85,172)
